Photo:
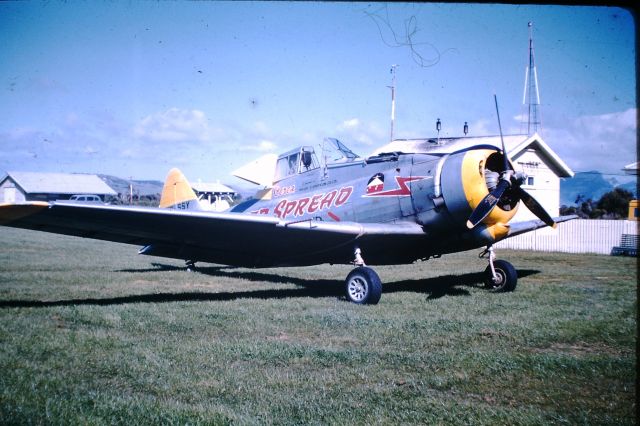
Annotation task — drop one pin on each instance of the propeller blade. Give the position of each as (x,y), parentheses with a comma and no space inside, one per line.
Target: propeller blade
(505,165)
(487,204)
(535,207)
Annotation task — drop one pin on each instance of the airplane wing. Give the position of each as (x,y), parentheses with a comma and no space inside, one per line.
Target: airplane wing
(226,238)
(241,239)
(517,228)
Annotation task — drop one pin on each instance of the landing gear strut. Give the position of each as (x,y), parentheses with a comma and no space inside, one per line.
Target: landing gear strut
(363,285)
(500,275)
(191,265)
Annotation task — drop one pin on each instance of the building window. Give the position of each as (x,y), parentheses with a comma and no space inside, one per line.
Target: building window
(530,180)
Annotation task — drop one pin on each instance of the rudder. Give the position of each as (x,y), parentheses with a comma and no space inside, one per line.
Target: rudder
(177,193)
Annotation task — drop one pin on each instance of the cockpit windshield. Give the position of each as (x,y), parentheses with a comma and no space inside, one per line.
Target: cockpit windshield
(334,151)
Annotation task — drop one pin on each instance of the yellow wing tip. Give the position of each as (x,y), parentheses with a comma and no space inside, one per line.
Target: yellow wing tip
(14,212)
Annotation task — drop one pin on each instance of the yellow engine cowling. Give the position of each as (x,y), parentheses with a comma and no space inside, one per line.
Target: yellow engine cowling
(464,185)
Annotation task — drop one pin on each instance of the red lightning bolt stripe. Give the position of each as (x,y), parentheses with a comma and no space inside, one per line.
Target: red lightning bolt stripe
(402,191)
(333,216)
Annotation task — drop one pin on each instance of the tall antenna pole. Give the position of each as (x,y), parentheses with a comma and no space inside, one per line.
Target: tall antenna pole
(531,94)
(393,97)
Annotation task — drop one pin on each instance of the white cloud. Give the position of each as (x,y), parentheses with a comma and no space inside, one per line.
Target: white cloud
(94,142)
(260,127)
(262,146)
(129,153)
(605,142)
(72,119)
(88,149)
(607,125)
(174,125)
(352,123)
(266,146)
(357,132)
(24,148)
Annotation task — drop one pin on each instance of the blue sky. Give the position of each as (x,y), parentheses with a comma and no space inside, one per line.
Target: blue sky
(135,88)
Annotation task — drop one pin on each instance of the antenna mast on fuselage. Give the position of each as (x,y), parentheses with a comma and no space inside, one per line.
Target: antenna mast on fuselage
(531,94)
(393,97)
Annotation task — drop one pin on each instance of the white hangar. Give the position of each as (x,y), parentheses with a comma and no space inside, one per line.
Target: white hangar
(18,187)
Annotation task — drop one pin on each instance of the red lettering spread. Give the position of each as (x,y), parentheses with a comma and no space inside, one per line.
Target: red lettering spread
(279,209)
(316,203)
(291,205)
(343,195)
(328,199)
(302,203)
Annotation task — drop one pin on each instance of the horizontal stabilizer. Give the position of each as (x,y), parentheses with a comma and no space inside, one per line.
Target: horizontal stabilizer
(259,172)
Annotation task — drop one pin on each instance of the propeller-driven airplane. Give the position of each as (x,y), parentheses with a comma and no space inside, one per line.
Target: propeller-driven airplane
(410,200)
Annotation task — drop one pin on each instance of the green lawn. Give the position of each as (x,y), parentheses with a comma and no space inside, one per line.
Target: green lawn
(92,333)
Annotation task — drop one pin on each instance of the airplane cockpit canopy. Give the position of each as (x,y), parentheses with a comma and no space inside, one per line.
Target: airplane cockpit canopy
(335,151)
(299,160)
(304,159)
(270,168)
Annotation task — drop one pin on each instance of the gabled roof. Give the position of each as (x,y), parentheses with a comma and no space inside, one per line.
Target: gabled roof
(536,142)
(515,144)
(59,183)
(631,169)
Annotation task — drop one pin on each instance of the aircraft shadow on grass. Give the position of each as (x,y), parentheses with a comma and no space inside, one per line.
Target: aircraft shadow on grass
(434,288)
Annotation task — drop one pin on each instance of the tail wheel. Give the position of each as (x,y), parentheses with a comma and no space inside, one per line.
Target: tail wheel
(506,277)
(363,286)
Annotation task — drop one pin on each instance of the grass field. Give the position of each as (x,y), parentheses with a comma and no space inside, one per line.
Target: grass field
(91,333)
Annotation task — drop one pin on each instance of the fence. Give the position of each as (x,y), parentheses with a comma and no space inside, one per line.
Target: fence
(575,236)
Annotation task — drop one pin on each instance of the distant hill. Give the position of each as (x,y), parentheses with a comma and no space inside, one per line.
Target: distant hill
(151,188)
(140,187)
(590,185)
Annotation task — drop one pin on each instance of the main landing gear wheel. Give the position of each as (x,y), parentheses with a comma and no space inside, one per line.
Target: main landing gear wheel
(505,279)
(363,286)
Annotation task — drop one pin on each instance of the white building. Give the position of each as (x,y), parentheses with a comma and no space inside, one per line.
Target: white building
(544,169)
(631,169)
(18,187)
(214,196)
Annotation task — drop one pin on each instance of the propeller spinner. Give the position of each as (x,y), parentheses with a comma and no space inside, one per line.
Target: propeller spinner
(509,185)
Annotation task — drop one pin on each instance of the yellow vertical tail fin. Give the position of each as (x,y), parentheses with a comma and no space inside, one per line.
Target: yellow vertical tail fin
(177,193)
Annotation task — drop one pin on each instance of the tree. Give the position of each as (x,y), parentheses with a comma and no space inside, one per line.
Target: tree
(585,209)
(612,205)
(615,203)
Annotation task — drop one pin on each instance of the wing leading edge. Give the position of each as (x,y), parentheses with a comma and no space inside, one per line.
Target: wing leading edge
(517,228)
(227,238)
(242,239)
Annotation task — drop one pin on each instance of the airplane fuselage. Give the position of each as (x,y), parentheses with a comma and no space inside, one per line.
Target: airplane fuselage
(393,188)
